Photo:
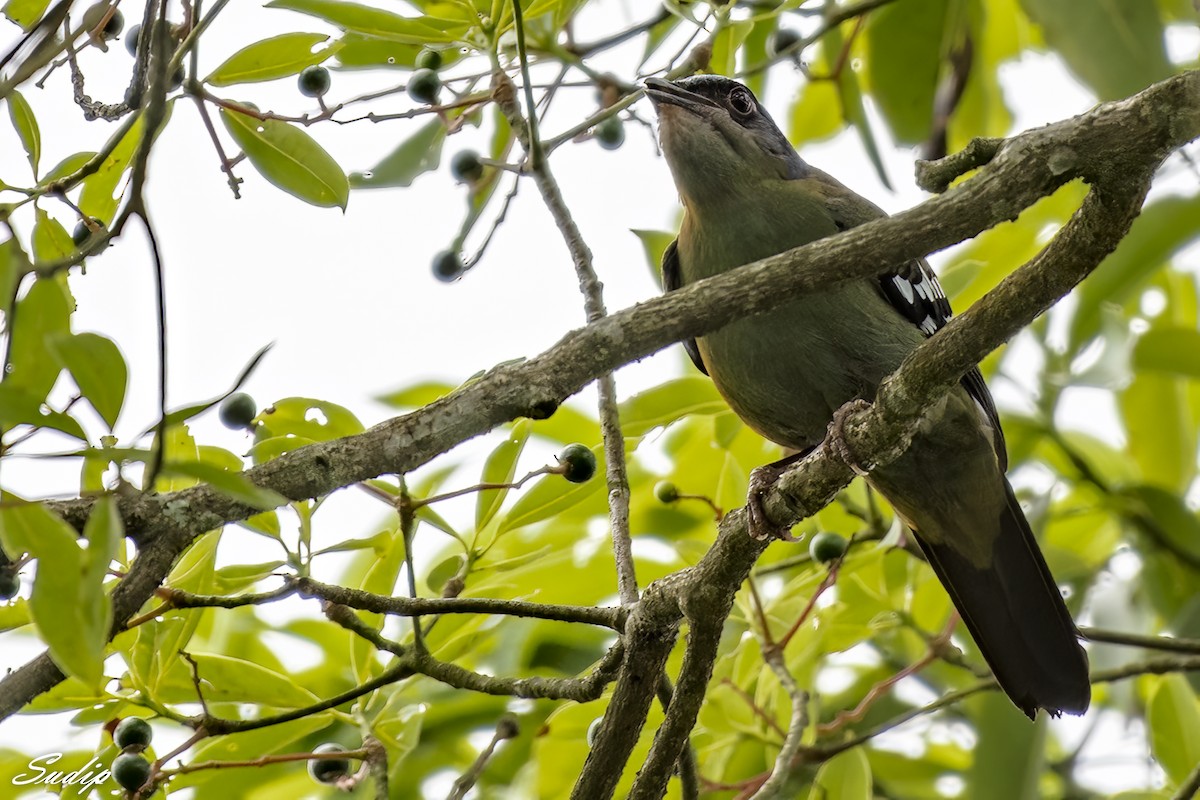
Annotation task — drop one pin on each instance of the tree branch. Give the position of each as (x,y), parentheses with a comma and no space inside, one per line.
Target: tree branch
(1094,146)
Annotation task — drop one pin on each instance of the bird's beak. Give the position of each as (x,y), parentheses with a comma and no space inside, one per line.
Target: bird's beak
(665,93)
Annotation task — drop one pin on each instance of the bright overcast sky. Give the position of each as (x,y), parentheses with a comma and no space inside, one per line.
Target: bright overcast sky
(348,299)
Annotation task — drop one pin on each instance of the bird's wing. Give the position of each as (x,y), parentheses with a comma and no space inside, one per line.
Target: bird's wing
(672,280)
(913,290)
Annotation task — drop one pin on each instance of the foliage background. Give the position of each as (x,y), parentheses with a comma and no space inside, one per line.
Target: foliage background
(1112,493)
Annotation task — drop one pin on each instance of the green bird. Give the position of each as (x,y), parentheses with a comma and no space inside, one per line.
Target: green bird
(748,195)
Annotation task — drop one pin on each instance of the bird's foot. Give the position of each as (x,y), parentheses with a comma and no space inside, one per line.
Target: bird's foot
(837,436)
(761,481)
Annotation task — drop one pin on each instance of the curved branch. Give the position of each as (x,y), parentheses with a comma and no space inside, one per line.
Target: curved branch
(1095,146)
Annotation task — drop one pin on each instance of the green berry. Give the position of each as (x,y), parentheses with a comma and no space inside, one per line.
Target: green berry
(132,732)
(594,729)
(447,266)
(131,771)
(314,81)
(237,411)
(428,59)
(781,40)
(666,492)
(424,86)
(826,547)
(578,463)
(610,133)
(10,584)
(466,166)
(328,770)
(131,39)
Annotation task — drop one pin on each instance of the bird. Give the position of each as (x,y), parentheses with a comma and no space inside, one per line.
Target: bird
(747,195)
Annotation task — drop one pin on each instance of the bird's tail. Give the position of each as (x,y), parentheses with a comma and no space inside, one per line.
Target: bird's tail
(1014,611)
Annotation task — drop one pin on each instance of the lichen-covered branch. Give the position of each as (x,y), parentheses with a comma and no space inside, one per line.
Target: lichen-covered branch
(1115,145)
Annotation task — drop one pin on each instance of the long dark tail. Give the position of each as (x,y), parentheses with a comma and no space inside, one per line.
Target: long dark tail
(1016,614)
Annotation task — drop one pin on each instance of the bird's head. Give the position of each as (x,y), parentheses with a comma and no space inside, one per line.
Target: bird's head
(717,137)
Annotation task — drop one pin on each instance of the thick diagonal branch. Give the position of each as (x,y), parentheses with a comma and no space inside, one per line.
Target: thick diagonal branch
(1112,142)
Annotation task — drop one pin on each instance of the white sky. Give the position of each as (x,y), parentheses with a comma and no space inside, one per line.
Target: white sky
(348,299)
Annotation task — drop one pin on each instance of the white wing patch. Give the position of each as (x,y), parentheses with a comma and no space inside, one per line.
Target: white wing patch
(906,288)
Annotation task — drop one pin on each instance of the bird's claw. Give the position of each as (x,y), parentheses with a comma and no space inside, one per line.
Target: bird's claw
(761,481)
(837,436)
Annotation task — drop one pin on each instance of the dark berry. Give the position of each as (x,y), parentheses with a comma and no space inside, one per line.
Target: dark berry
(82,232)
(314,81)
(10,584)
(447,266)
(237,411)
(429,59)
(578,463)
(826,547)
(508,727)
(176,79)
(610,133)
(131,39)
(666,492)
(781,40)
(424,86)
(466,166)
(132,732)
(328,770)
(114,26)
(131,771)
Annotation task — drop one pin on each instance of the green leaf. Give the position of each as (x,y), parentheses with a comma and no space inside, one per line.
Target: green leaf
(1009,759)
(416,155)
(27,127)
(1173,716)
(18,406)
(42,314)
(1161,230)
(1174,351)
(26,13)
(1159,426)
(1177,523)
(376,22)
(233,484)
(904,47)
(290,159)
(99,196)
(314,420)
(850,96)
(655,243)
(500,467)
(66,586)
(417,395)
(725,45)
(277,57)
(51,241)
(846,776)
(1116,47)
(227,679)
(816,114)
(552,495)
(98,368)
(663,404)
(68,166)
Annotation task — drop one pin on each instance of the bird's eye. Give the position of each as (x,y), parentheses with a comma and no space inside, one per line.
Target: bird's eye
(741,102)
